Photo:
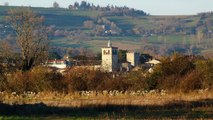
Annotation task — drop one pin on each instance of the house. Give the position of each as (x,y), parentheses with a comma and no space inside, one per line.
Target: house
(59,64)
(125,67)
(133,58)
(151,64)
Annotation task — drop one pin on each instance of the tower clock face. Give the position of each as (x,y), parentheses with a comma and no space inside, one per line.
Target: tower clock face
(106,52)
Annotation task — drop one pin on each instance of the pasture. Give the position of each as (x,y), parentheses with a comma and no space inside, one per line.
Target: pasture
(149,105)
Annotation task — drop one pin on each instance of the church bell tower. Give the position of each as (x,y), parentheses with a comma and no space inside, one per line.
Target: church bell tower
(110,58)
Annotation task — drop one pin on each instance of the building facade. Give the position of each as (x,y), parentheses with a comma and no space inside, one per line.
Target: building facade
(133,58)
(59,64)
(109,58)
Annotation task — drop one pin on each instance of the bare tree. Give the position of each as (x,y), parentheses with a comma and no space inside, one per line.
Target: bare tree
(30,35)
(8,58)
(5,51)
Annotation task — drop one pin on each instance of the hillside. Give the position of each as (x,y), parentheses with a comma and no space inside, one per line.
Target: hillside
(134,30)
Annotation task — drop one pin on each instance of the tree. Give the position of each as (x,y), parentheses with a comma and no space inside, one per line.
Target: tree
(76,5)
(83,5)
(5,51)
(31,36)
(55,5)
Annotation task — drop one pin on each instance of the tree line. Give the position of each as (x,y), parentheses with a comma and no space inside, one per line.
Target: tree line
(109,10)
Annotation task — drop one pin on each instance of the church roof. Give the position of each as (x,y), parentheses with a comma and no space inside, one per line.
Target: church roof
(109,45)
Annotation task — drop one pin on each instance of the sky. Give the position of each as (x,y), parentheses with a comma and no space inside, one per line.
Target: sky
(153,7)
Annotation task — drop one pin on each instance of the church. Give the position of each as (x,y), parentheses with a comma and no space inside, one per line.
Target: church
(110,59)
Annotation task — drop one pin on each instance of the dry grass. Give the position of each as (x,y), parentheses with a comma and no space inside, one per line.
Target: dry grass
(51,105)
(77,100)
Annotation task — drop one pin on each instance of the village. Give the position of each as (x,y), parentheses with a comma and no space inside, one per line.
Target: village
(109,62)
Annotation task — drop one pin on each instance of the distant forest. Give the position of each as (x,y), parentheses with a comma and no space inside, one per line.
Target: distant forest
(109,10)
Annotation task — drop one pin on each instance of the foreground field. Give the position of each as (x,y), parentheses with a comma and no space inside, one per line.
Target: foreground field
(53,105)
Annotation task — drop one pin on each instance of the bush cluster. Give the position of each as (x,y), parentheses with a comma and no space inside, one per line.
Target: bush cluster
(77,79)
(182,73)
(175,73)
(38,79)
(84,79)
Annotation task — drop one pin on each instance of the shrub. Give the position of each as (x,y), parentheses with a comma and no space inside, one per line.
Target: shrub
(190,82)
(95,79)
(135,80)
(170,72)
(17,82)
(3,82)
(205,67)
(43,79)
(36,80)
(84,79)
(176,65)
(169,83)
(152,80)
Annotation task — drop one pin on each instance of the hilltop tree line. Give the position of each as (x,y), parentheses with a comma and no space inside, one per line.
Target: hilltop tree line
(109,10)
(170,25)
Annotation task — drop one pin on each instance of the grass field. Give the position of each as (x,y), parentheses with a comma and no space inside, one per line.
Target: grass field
(127,22)
(193,105)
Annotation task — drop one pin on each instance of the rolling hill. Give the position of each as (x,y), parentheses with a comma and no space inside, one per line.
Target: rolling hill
(91,28)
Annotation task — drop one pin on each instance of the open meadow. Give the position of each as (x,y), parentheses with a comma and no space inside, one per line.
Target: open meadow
(105,105)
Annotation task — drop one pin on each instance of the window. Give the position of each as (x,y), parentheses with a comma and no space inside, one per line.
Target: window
(106,52)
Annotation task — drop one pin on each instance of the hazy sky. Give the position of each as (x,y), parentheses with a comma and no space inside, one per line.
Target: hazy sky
(154,7)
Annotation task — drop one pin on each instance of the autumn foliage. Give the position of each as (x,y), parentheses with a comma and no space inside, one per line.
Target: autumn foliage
(176,73)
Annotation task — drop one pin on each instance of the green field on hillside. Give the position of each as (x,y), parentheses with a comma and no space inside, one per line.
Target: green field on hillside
(180,29)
